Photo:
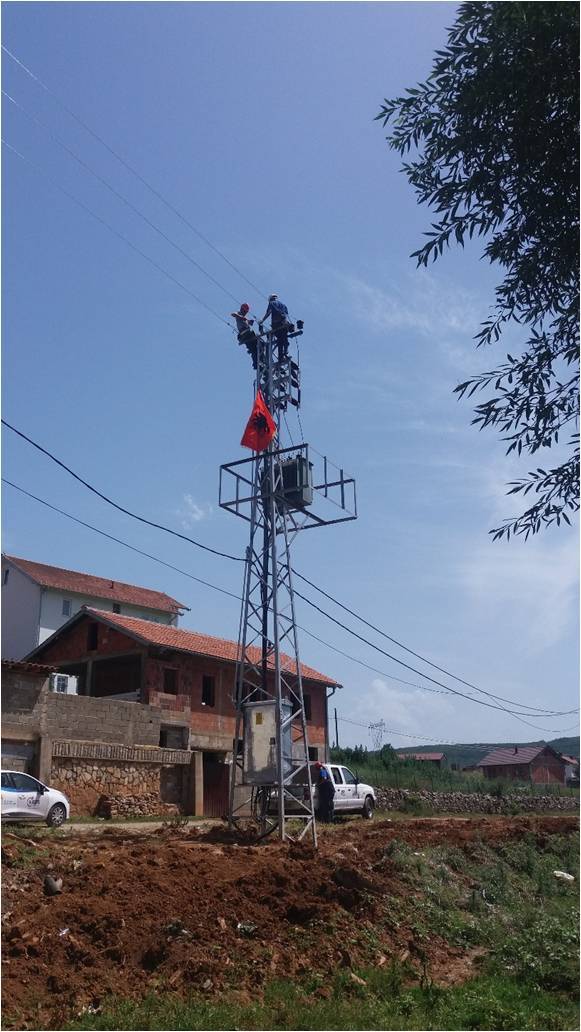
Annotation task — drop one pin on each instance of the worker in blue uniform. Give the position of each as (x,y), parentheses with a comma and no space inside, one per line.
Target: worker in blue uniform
(279,324)
(326,794)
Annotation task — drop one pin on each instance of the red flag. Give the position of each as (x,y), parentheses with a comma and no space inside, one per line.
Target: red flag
(260,428)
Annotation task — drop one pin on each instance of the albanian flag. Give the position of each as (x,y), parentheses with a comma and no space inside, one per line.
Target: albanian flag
(260,428)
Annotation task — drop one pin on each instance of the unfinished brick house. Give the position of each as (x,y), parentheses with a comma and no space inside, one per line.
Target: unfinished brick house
(185,680)
(537,763)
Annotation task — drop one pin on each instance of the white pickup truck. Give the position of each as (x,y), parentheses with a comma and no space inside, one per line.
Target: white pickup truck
(351,795)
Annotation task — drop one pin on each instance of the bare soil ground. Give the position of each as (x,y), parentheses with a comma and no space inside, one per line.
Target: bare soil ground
(191,909)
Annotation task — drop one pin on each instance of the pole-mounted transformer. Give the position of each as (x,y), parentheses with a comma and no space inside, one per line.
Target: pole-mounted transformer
(279,491)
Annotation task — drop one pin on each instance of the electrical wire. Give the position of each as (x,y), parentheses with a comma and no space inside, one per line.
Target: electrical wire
(208,584)
(168,204)
(215,587)
(396,731)
(518,716)
(288,429)
(119,195)
(500,698)
(392,677)
(454,691)
(131,169)
(115,232)
(121,508)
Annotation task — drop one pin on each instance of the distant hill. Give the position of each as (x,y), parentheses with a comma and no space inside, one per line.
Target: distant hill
(472,752)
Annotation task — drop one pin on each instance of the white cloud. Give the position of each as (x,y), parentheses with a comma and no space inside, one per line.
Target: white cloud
(410,711)
(190,512)
(424,303)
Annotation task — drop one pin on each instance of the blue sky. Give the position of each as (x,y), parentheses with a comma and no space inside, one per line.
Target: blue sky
(256,121)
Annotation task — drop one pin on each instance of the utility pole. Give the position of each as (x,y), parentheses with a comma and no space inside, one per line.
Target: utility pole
(278,492)
(336,730)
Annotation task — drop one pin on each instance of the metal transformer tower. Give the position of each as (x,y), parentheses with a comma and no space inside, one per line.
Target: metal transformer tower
(279,493)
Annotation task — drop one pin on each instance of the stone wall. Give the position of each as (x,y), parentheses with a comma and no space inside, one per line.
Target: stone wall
(472,802)
(104,779)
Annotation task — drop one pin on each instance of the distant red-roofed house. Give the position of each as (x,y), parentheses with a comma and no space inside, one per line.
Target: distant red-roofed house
(38,599)
(438,759)
(537,763)
(186,680)
(571,768)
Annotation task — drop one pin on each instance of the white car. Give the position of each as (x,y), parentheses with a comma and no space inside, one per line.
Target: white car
(26,799)
(351,794)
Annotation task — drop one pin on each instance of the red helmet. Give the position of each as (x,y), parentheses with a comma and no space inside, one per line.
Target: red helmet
(244,307)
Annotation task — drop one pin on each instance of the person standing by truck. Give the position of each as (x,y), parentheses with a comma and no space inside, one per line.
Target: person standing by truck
(326,794)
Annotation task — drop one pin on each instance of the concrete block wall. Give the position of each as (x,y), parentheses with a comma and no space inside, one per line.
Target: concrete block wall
(22,698)
(82,718)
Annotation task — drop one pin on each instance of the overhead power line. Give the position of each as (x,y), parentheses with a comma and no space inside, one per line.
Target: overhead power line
(396,731)
(120,236)
(378,630)
(130,168)
(119,195)
(382,673)
(200,580)
(517,715)
(120,508)
(214,587)
(454,691)
(119,541)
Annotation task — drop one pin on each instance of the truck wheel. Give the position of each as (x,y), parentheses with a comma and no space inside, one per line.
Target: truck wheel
(367,811)
(57,816)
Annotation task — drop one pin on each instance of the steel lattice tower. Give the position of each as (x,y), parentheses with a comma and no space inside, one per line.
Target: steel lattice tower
(274,492)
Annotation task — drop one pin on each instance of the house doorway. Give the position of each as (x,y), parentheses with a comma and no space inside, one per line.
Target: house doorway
(216,780)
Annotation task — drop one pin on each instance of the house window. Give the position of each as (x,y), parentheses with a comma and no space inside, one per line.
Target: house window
(313,752)
(67,607)
(208,691)
(306,704)
(5,577)
(116,607)
(173,737)
(170,681)
(61,683)
(92,637)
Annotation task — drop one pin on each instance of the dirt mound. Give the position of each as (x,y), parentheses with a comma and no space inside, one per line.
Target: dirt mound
(183,911)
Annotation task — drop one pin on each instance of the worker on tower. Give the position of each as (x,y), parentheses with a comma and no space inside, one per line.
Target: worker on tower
(279,324)
(246,334)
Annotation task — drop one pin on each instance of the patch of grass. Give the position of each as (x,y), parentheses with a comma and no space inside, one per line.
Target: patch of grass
(382,1002)
(544,954)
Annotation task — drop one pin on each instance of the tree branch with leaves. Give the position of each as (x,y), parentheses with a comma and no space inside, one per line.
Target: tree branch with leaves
(496,132)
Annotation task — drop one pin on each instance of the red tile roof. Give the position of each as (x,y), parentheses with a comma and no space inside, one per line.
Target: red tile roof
(508,757)
(570,759)
(97,587)
(189,641)
(27,668)
(421,756)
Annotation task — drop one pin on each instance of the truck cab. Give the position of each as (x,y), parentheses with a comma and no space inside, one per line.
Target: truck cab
(351,794)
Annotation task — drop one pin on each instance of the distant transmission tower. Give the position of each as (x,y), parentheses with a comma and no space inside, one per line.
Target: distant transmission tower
(377,732)
(279,491)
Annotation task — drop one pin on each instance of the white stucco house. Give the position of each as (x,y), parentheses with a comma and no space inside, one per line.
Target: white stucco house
(38,599)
